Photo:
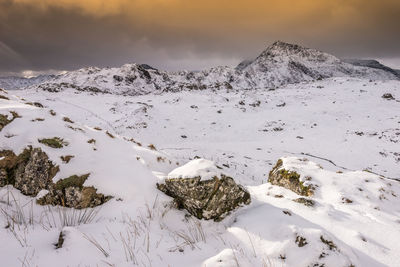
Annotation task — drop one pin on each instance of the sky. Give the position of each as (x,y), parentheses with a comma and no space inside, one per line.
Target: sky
(39,36)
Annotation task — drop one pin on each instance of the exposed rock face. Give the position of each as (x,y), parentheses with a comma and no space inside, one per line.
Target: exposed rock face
(209,199)
(289,179)
(32,171)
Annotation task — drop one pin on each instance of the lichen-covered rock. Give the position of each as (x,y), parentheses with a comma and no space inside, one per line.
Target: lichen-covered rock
(70,192)
(206,199)
(35,172)
(289,179)
(32,171)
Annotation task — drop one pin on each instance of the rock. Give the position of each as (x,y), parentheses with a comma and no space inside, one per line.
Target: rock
(4,120)
(289,180)
(305,201)
(32,172)
(388,96)
(208,199)
(70,192)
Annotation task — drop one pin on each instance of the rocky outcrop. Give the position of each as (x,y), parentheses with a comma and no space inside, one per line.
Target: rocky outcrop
(70,192)
(290,180)
(4,119)
(32,171)
(208,199)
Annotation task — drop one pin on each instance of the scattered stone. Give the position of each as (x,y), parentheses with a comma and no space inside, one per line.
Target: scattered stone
(66,119)
(52,112)
(66,159)
(289,180)
(301,241)
(92,141)
(346,200)
(208,199)
(55,142)
(388,96)
(305,201)
(152,147)
(281,105)
(37,119)
(329,243)
(36,104)
(255,104)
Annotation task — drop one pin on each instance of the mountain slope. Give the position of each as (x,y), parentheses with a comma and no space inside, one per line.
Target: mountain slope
(284,63)
(14,82)
(279,64)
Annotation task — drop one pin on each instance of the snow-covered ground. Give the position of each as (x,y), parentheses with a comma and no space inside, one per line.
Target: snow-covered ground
(338,131)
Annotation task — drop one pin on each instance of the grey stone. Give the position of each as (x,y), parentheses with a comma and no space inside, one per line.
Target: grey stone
(209,199)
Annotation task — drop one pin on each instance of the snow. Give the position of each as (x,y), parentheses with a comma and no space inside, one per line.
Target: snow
(338,132)
(205,169)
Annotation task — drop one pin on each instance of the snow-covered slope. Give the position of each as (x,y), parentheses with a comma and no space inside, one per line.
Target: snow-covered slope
(279,64)
(14,82)
(326,131)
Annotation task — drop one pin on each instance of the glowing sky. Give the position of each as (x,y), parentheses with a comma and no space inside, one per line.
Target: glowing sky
(178,34)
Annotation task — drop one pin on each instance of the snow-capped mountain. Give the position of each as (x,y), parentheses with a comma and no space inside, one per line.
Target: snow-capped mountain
(284,63)
(280,64)
(370,63)
(15,82)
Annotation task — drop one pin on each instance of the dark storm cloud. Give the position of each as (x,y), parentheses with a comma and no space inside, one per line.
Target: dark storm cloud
(176,34)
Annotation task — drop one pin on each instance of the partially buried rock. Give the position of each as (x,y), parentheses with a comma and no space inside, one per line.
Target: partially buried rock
(388,96)
(32,172)
(201,189)
(290,180)
(70,192)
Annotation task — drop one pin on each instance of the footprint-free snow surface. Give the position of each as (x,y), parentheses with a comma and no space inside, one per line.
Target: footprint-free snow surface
(342,135)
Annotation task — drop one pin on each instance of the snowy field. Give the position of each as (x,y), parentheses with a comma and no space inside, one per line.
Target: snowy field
(339,131)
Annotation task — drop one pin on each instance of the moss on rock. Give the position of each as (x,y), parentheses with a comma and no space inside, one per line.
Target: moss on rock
(290,180)
(55,142)
(31,172)
(209,199)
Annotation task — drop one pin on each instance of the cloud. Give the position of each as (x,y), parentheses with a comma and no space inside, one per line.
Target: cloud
(10,58)
(175,34)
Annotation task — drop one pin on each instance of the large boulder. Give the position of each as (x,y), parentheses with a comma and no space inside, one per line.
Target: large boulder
(32,172)
(290,180)
(201,189)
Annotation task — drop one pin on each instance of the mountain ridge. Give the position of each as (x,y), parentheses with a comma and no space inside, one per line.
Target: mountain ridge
(279,64)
